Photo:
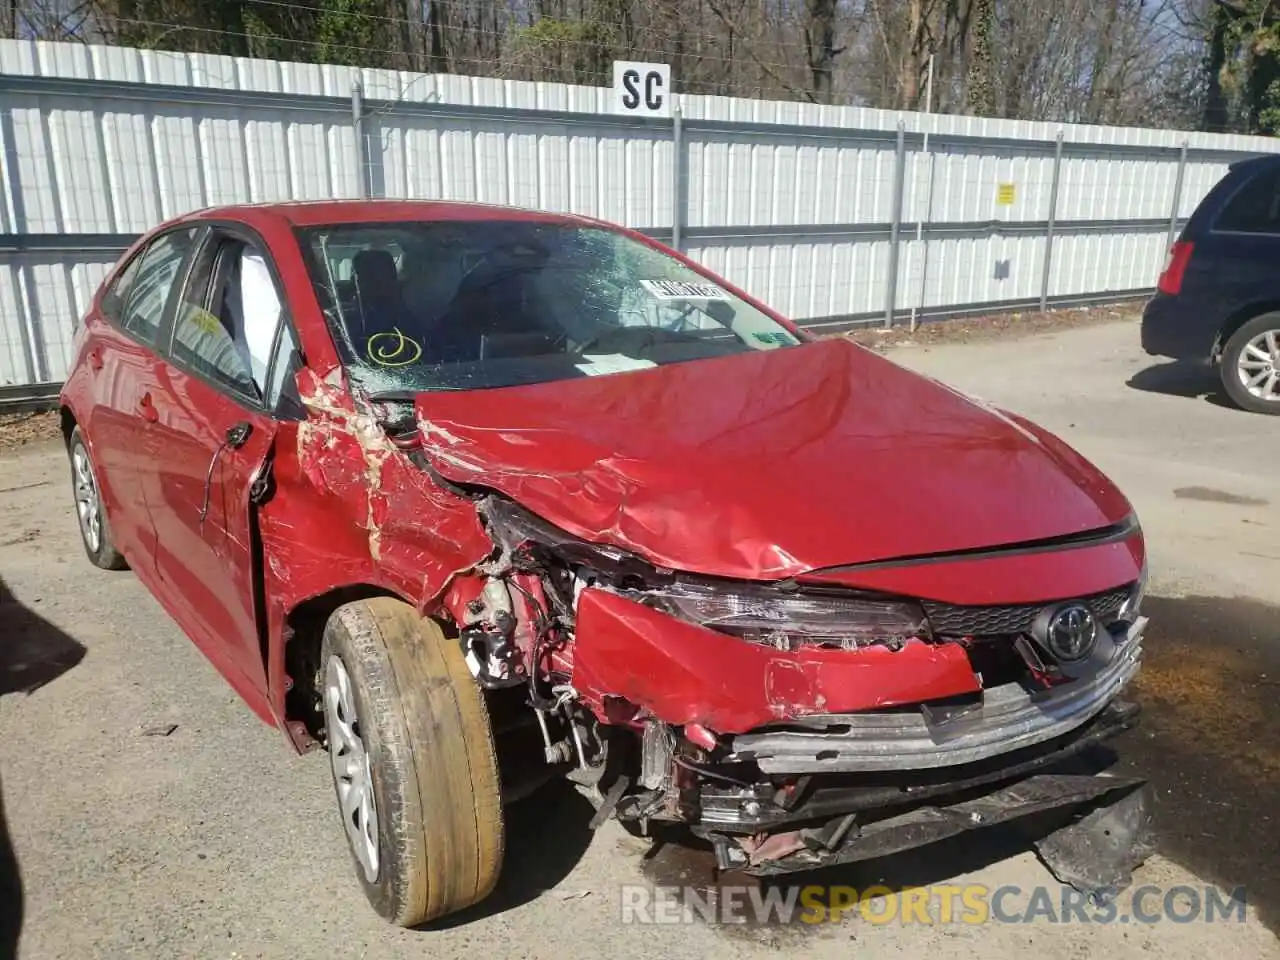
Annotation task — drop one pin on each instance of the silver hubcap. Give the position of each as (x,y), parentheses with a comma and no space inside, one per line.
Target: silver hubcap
(1259,366)
(351,772)
(88,503)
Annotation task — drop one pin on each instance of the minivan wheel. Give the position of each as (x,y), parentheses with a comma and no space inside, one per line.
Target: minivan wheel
(1251,365)
(95,532)
(413,761)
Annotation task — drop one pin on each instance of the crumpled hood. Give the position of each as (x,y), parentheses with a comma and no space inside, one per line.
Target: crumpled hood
(768,464)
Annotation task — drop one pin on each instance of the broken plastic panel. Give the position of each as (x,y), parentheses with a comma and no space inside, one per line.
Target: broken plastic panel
(785,621)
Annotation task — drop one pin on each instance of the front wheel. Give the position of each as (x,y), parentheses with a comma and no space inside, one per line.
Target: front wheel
(1251,365)
(413,761)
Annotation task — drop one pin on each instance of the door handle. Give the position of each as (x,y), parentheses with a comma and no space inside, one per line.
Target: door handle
(95,358)
(149,411)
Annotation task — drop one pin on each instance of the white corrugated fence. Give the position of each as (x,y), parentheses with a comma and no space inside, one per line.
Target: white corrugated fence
(834,215)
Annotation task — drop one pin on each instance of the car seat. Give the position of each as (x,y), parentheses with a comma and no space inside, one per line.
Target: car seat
(379,301)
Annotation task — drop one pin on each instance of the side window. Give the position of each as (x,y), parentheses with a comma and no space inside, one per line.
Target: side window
(114,299)
(257,311)
(282,392)
(150,287)
(226,325)
(1255,208)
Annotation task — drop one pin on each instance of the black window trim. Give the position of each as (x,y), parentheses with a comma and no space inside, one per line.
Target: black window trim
(215,232)
(179,282)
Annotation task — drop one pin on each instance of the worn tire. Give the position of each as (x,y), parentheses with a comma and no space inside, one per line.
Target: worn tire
(105,556)
(1229,371)
(434,768)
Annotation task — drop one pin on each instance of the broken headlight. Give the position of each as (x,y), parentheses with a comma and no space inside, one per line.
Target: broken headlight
(788,621)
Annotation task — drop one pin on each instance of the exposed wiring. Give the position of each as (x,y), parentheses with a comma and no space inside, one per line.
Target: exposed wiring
(543,625)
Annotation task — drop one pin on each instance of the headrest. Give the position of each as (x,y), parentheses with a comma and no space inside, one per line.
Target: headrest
(375,272)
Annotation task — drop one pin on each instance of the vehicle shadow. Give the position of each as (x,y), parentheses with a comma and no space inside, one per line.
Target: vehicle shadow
(547,833)
(1182,378)
(33,653)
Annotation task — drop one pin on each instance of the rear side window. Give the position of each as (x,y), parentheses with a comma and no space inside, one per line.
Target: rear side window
(150,289)
(1255,208)
(226,326)
(114,299)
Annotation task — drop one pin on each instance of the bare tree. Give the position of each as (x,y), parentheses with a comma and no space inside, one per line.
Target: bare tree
(1105,61)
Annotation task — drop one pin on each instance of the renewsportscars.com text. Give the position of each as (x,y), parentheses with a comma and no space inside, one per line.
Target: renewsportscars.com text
(971,904)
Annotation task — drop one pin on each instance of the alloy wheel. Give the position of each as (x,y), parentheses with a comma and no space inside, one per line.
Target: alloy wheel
(88,501)
(352,774)
(1259,366)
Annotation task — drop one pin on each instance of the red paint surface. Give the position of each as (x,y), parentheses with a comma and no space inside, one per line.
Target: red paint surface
(687,674)
(768,464)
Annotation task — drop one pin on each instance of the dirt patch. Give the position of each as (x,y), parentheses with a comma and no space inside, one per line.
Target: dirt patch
(19,429)
(1000,326)
(1210,495)
(1207,739)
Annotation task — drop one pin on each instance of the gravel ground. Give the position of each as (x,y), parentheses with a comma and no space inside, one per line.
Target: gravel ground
(1003,327)
(153,816)
(19,429)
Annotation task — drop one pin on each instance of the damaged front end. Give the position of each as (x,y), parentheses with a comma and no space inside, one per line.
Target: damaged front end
(799,725)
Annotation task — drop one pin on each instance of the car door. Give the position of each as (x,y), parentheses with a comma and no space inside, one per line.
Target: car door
(215,426)
(119,359)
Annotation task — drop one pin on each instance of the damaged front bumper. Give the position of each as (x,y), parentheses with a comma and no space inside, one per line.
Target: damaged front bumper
(845,819)
(1095,854)
(1007,717)
(824,790)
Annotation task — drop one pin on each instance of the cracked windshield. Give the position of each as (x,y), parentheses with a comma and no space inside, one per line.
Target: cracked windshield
(460,305)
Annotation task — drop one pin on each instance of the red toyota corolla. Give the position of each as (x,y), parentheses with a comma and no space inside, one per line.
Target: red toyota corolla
(474,496)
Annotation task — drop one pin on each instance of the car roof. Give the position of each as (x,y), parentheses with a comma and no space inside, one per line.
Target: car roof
(1262,160)
(311,213)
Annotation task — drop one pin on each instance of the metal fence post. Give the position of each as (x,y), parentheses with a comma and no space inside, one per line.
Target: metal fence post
(895,225)
(357,126)
(677,171)
(1053,218)
(1177,194)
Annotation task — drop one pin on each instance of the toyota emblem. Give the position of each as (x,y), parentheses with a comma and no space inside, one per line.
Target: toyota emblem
(1071,633)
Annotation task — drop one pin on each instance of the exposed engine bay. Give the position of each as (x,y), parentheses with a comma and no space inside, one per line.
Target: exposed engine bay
(792,726)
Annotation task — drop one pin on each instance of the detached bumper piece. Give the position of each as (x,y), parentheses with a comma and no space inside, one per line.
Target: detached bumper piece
(1095,855)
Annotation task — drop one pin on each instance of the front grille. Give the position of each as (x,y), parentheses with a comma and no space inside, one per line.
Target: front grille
(955,620)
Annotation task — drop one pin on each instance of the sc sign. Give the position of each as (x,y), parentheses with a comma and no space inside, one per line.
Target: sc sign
(642,89)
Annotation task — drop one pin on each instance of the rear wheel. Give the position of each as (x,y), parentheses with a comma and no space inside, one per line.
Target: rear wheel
(1251,365)
(95,532)
(413,761)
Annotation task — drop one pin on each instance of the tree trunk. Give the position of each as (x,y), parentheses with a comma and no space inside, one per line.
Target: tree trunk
(909,72)
(1098,83)
(437,62)
(820,42)
(980,92)
(235,41)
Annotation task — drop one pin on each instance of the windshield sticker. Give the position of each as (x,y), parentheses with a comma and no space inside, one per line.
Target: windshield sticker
(683,290)
(780,337)
(392,348)
(612,363)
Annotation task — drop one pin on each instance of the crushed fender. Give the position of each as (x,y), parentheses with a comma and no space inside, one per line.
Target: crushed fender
(683,673)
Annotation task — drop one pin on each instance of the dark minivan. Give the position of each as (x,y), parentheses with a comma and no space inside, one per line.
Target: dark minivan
(1218,297)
